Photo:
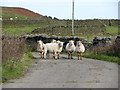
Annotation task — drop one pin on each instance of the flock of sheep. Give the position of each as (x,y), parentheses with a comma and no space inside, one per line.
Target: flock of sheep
(56,47)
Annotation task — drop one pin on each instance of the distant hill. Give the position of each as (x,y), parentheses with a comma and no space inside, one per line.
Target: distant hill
(20,12)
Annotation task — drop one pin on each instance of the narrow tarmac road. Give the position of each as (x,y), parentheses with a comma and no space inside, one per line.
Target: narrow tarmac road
(64,73)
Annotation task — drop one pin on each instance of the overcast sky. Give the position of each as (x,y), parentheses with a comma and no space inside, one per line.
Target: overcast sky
(62,9)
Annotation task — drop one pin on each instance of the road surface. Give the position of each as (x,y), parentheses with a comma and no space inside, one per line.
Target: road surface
(64,73)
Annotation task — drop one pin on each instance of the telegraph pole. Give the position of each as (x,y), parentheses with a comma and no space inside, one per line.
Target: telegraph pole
(73,18)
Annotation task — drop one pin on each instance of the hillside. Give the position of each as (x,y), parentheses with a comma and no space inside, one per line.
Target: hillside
(20,12)
(48,25)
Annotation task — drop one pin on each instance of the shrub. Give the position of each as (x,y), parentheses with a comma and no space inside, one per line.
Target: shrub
(106,49)
(12,48)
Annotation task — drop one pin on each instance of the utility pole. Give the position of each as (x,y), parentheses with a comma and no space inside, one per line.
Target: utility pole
(73,18)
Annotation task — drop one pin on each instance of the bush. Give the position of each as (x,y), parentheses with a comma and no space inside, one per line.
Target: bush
(106,49)
(12,48)
(15,56)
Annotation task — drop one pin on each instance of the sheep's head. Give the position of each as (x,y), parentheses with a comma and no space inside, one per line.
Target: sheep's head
(40,43)
(79,43)
(58,41)
(53,41)
(60,44)
(71,42)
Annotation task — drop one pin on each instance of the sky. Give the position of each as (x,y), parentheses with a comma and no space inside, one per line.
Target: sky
(62,9)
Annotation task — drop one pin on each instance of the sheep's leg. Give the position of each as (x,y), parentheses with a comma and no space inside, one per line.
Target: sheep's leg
(68,55)
(42,55)
(80,56)
(45,55)
(56,55)
(45,52)
(53,55)
(48,55)
(71,56)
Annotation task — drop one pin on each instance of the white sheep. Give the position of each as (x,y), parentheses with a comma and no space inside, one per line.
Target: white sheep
(55,48)
(70,48)
(11,18)
(40,48)
(79,49)
(59,43)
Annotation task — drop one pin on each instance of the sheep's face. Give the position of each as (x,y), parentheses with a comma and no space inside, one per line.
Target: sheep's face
(53,41)
(79,43)
(60,44)
(40,43)
(71,43)
(58,41)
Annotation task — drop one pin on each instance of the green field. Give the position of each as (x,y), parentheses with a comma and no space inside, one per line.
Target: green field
(22,27)
(112,30)
(21,30)
(18,30)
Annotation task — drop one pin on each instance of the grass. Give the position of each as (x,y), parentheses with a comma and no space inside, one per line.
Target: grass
(17,30)
(112,29)
(71,82)
(100,57)
(90,82)
(18,69)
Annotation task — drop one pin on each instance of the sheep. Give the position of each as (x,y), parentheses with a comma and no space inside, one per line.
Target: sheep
(55,48)
(40,48)
(79,49)
(11,18)
(59,42)
(70,48)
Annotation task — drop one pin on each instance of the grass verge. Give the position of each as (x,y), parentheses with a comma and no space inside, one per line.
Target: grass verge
(100,57)
(18,70)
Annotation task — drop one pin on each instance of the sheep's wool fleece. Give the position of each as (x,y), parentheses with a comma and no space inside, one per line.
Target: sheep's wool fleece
(81,48)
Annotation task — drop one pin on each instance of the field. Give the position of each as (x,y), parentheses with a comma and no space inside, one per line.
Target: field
(17,30)
(21,30)
(112,30)
(20,13)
